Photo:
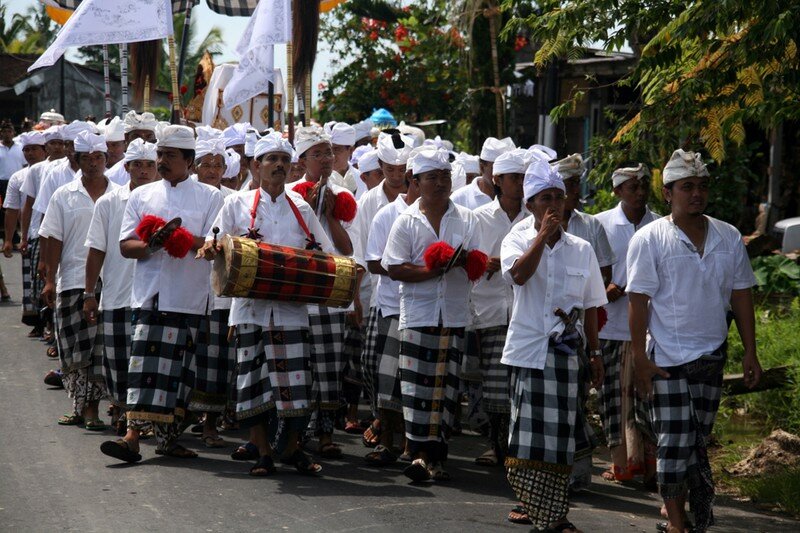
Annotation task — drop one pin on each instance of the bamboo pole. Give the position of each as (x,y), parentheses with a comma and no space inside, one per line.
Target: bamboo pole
(123,75)
(146,104)
(493,14)
(290,91)
(106,81)
(173,73)
(307,99)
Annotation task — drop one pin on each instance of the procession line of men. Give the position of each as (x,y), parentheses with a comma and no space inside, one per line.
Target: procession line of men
(499,282)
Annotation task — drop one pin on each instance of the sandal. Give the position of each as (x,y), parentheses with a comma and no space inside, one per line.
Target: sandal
(120,449)
(264,467)
(380,456)
(214,441)
(54,378)
(417,471)
(176,450)
(329,450)
(353,428)
(70,419)
(52,352)
(35,333)
(615,473)
(304,464)
(95,424)
(661,527)
(438,473)
(246,452)
(372,434)
(519,515)
(147,432)
(488,458)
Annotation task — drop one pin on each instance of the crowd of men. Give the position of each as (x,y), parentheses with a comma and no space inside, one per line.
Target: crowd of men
(479,279)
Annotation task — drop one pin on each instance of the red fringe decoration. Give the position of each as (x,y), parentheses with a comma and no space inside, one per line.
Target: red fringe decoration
(476,264)
(179,243)
(303,188)
(437,255)
(149,225)
(344,208)
(602,317)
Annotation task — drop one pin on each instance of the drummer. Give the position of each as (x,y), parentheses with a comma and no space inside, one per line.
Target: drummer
(272,337)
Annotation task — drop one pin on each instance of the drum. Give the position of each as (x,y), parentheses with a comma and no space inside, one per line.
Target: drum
(250,269)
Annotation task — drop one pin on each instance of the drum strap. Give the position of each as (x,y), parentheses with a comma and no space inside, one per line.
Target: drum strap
(312,243)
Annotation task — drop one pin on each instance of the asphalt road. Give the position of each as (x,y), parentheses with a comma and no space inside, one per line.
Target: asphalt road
(54,478)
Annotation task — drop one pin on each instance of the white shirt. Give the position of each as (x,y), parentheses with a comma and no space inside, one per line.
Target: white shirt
(490,299)
(368,206)
(67,220)
(689,295)
(118,174)
(471,196)
(182,285)
(446,298)
(15,198)
(220,302)
(56,175)
(11,160)
(103,235)
(361,186)
(30,187)
(567,277)
(277,224)
(619,231)
(387,290)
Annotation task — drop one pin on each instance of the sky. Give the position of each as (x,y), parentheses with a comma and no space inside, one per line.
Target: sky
(232,29)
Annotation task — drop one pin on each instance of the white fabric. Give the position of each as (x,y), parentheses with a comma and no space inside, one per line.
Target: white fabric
(368,206)
(67,220)
(541,151)
(276,221)
(567,277)
(458,178)
(235,134)
(588,228)
(176,136)
(391,155)
(493,148)
(113,130)
(445,298)
(308,136)
(571,166)
(471,196)
(209,147)
(416,135)
(103,235)
(56,176)
(15,198)
(207,133)
(52,117)
(361,186)
(70,131)
(273,142)
(689,295)
(32,138)
(540,176)
(342,134)
(232,164)
(387,291)
(53,133)
(490,299)
(219,302)
(619,231)
(426,159)
(509,163)
(621,175)
(110,22)
(30,187)
(358,152)
(368,161)
(117,172)
(140,121)
(87,143)
(11,160)
(363,129)
(250,140)
(175,281)
(684,165)
(138,150)
(471,163)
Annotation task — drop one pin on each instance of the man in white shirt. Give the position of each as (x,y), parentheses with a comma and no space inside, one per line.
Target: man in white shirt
(168,297)
(555,275)
(433,310)
(480,191)
(65,225)
(632,451)
(235,137)
(114,310)
(343,139)
(133,126)
(11,158)
(274,380)
(685,271)
(490,300)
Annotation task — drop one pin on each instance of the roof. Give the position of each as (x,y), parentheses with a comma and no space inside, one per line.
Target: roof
(14,67)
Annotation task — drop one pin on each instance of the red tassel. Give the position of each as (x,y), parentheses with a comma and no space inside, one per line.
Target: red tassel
(149,225)
(437,255)
(602,317)
(179,243)
(476,264)
(303,189)
(344,208)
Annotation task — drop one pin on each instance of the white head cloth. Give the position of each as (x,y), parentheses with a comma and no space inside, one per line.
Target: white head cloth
(470,163)
(207,133)
(113,130)
(438,142)
(272,142)
(540,176)
(571,166)
(358,152)
(363,129)
(425,159)
(342,134)
(70,131)
(176,136)
(369,161)
(232,163)
(540,151)
(621,175)
(250,140)
(307,136)
(391,155)
(417,135)
(135,121)
(209,147)
(235,134)
(53,133)
(509,163)
(139,150)
(494,147)
(87,142)
(684,165)
(52,117)
(32,138)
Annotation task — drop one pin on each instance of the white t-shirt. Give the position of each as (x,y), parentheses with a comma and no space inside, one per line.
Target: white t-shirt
(446,298)
(277,224)
(619,231)
(182,285)
(118,174)
(220,302)
(11,160)
(67,220)
(30,187)
(368,206)
(471,196)
(103,235)
(567,277)
(689,295)
(15,198)
(387,291)
(56,175)
(490,299)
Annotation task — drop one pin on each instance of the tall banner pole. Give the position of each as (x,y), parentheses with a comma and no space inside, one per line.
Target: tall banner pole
(106,81)
(307,98)
(187,19)
(146,103)
(176,96)
(123,76)
(290,91)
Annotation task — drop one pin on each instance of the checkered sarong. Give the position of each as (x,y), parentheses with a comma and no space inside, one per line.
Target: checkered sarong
(116,356)
(161,370)
(610,394)
(34,253)
(234,8)
(215,358)
(327,357)
(274,371)
(30,311)
(430,362)
(380,362)
(353,346)
(496,375)
(75,337)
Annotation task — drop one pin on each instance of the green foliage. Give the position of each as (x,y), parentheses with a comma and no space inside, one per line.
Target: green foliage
(603,201)
(162,113)
(777,273)
(28,33)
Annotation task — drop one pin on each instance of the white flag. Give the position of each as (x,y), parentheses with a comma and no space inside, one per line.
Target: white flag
(270,24)
(110,22)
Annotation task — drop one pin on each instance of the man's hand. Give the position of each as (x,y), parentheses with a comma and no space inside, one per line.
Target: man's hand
(49,294)
(41,270)
(208,251)
(8,248)
(90,310)
(614,292)
(551,223)
(493,265)
(644,370)
(328,203)
(23,246)
(752,370)
(598,371)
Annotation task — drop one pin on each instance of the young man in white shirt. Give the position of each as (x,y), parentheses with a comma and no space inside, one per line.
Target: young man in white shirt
(274,380)
(113,311)
(480,191)
(490,300)
(433,310)
(133,126)
(65,225)
(169,295)
(632,451)
(555,276)
(685,271)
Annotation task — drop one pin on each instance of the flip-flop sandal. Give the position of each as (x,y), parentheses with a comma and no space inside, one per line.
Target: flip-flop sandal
(488,458)
(380,456)
(417,471)
(70,419)
(52,352)
(264,467)
(439,474)
(372,435)
(120,449)
(196,429)
(246,452)
(330,451)
(522,518)
(353,428)
(214,441)
(177,451)
(661,527)
(304,465)
(95,424)
(54,379)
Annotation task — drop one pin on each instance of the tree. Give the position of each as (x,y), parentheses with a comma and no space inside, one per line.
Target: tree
(28,33)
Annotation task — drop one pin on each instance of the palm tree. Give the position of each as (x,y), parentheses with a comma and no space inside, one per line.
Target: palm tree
(28,33)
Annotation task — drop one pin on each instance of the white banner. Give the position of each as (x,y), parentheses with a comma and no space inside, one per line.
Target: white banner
(110,22)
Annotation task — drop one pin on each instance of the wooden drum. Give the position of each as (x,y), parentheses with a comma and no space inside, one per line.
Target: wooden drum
(250,269)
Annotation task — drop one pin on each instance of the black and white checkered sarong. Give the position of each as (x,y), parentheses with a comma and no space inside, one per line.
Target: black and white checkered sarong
(430,363)
(353,346)
(215,358)
(610,394)
(75,337)
(161,370)
(327,357)
(34,254)
(117,330)
(380,362)
(496,376)
(274,371)
(233,8)
(30,310)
